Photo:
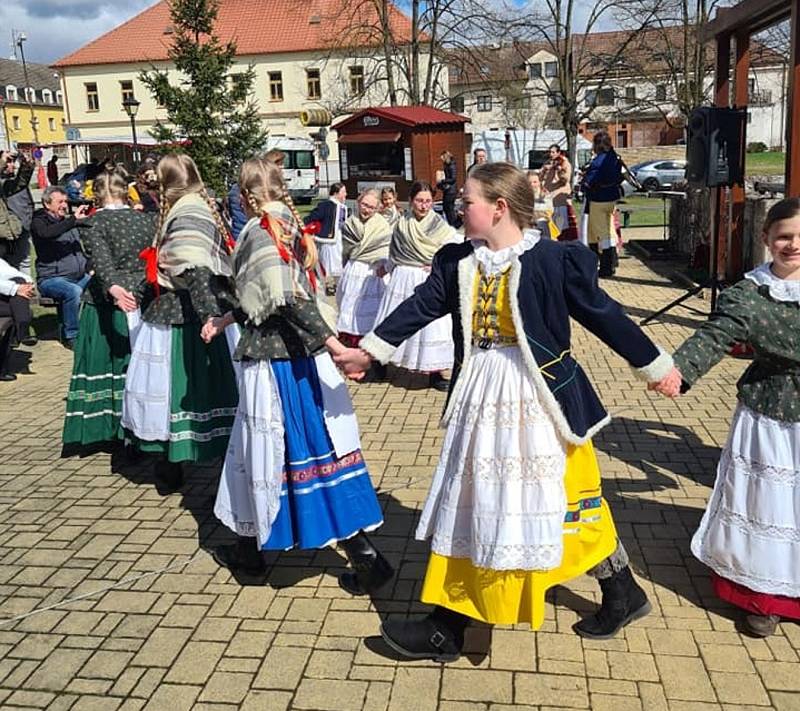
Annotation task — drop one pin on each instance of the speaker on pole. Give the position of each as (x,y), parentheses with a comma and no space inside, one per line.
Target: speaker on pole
(715,146)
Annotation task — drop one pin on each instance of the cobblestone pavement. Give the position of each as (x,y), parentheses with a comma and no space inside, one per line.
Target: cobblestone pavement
(131,613)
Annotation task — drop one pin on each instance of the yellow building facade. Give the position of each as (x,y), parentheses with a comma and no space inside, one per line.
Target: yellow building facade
(19,131)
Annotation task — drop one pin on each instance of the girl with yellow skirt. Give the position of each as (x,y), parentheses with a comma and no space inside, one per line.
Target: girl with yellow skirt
(515,505)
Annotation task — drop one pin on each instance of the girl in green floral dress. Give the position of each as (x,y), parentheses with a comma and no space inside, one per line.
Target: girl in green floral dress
(102,350)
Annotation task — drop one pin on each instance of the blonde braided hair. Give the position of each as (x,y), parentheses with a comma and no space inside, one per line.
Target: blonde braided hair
(310,256)
(212,205)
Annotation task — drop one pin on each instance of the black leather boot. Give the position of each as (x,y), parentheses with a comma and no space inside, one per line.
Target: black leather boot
(169,476)
(607,265)
(439,636)
(437,381)
(623,602)
(243,556)
(370,569)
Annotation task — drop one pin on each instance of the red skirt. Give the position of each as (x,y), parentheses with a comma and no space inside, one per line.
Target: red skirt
(570,232)
(755,602)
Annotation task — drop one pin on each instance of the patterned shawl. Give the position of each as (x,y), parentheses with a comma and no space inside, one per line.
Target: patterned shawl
(366,241)
(190,238)
(269,272)
(414,242)
(392,215)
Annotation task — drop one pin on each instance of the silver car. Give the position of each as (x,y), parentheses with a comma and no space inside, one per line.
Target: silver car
(659,174)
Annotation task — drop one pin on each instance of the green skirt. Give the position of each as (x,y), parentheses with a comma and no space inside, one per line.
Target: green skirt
(203,397)
(94,400)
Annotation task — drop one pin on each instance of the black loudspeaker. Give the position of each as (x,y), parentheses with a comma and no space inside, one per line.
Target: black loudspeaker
(715,146)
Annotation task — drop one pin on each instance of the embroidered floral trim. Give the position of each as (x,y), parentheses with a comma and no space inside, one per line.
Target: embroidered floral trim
(756,470)
(779,289)
(502,414)
(758,583)
(501,470)
(494,262)
(752,527)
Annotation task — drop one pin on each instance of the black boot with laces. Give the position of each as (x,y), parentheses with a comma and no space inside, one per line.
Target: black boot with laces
(623,602)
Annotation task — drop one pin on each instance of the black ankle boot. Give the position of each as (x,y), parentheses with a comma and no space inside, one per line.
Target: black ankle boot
(169,476)
(439,636)
(243,556)
(623,602)
(607,266)
(370,569)
(438,382)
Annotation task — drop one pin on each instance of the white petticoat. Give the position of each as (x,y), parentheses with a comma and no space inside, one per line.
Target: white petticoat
(750,531)
(358,297)
(498,495)
(330,257)
(428,350)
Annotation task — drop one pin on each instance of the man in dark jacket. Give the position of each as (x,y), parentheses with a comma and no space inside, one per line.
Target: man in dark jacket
(14,190)
(60,262)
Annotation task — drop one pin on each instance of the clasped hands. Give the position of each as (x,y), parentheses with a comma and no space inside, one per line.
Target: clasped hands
(669,385)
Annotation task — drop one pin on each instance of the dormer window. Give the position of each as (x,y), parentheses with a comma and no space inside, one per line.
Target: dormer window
(11,93)
(30,94)
(47,96)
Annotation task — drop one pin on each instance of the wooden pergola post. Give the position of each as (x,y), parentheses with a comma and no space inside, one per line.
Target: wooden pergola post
(722,95)
(740,101)
(793,114)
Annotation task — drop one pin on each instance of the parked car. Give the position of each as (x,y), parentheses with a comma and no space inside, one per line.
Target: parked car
(659,174)
(300,169)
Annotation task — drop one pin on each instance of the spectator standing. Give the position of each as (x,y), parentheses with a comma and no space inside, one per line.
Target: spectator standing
(102,351)
(556,177)
(60,261)
(446,182)
(478,158)
(19,201)
(52,170)
(331,214)
(16,291)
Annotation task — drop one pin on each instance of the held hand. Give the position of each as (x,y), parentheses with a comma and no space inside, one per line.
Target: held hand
(123,299)
(354,362)
(212,328)
(669,385)
(81,212)
(25,291)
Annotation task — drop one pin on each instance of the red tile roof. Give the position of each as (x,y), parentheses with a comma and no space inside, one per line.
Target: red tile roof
(407,115)
(257,27)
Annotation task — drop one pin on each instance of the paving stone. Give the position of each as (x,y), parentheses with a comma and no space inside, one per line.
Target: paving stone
(551,689)
(330,695)
(106,665)
(196,662)
(226,687)
(779,676)
(469,685)
(738,688)
(415,687)
(56,672)
(263,700)
(162,647)
(172,697)
(282,668)
(685,678)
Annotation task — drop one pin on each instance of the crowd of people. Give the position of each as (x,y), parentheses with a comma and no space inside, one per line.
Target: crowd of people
(192,346)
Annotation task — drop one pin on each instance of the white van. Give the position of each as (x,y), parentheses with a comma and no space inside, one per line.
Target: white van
(300,169)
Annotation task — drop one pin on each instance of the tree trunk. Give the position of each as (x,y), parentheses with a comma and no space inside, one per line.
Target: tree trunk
(386,35)
(414,84)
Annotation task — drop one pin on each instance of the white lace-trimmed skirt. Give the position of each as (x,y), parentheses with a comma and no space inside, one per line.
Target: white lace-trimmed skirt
(358,297)
(750,531)
(428,350)
(498,495)
(330,256)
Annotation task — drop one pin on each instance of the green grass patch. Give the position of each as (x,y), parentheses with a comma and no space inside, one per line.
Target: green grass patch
(770,163)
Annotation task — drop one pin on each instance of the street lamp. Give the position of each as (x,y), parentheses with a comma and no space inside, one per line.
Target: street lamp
(21,37)
(131,107)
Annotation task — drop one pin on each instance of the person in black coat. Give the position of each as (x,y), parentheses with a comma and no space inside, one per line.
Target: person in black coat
(447,185)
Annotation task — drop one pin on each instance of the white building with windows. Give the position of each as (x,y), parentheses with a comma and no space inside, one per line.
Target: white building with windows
(291,46)
(500,86)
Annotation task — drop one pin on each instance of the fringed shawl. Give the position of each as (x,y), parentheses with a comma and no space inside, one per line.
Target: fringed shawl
(366,241)
(414,242)
(188,239)
(268,270)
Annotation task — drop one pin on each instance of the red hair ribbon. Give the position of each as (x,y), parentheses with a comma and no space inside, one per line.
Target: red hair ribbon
(150,257)
(230,243)
(286,255)
(313,227)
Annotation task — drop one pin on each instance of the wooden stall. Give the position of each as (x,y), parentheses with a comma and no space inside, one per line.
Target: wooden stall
(394,146)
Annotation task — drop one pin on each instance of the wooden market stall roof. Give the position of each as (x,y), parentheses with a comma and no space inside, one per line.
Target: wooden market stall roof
(411,116)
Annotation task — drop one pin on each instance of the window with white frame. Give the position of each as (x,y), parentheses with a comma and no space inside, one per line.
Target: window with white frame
(30,94)
(47,96)
(126,90)
(16,123)
(313,84)
(661,92)
(551,69)
(630,94)
(535,70)
(276,86)
(11,93)
(92,97)
(51,124)
(457,104)
(356,81)
(59,97)
(484,103)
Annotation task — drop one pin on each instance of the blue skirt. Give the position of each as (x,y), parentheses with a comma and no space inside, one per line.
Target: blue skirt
(323,499)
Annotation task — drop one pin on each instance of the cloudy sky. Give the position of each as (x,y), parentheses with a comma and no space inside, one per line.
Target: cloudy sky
(57,27)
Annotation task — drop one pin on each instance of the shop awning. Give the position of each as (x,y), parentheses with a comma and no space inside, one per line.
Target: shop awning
(371,137)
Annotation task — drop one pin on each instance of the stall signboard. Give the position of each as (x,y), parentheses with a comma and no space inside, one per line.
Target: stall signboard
(379,185)
(343,164)
(409,167)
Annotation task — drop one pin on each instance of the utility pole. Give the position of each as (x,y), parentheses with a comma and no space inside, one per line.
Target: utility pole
(19,38)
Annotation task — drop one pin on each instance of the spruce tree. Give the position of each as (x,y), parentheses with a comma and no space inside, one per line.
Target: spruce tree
(208,105)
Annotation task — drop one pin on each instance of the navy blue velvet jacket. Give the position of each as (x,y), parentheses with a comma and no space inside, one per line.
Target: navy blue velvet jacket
(552,281)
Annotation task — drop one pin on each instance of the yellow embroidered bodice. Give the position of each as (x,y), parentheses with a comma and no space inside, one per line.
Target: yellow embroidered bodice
(491,309)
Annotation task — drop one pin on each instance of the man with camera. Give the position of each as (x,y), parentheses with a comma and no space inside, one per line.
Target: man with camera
(16,209)
(60,261)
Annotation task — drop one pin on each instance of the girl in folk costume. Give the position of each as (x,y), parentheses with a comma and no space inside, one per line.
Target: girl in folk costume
(418,235)
(516,505)
(331,214)
(750,532)
(557,181)
(389,209)
(180,394)
(542,207)
(365,252)
(102,349)
(294,475)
